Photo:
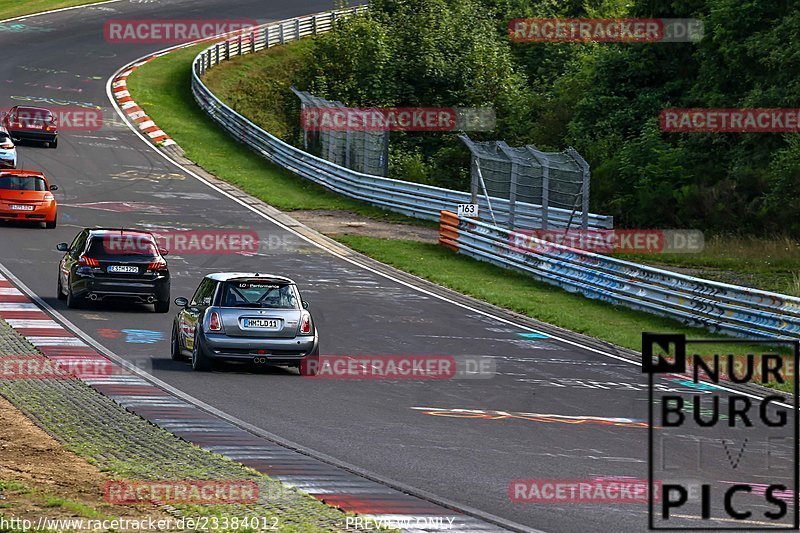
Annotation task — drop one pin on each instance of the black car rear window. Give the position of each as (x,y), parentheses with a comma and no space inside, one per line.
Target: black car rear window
(22,183)
(259,293)
(117,245)
(34,115)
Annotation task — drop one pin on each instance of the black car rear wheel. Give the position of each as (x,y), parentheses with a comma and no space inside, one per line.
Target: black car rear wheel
(200,362)
(72,301)
(175,351)
(60,292)
(161,306)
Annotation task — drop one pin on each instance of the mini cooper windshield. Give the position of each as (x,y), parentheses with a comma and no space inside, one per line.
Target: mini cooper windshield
(260,294)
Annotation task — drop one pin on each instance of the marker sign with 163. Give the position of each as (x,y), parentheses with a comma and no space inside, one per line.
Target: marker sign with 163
(733,472)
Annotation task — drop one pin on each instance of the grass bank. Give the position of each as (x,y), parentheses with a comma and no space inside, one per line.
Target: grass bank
(16,8)
(162,88)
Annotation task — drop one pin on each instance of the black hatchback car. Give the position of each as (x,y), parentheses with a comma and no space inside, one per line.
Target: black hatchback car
(106,263)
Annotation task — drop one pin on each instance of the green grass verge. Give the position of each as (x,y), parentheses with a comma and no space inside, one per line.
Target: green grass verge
(17,8)
(258,86)
(161,87)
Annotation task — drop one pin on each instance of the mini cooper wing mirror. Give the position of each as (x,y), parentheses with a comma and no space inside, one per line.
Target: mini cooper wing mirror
(181,301)
(62,247)
(305,305)
(54,187)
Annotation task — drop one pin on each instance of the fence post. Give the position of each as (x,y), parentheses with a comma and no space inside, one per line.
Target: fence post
(240,44)
(347,148)
(544,162)
(512,188)
(227,50)
(385,154)
(253,42)
(473,167)
(545,193)
(573,153)
(297,29)
(314,25)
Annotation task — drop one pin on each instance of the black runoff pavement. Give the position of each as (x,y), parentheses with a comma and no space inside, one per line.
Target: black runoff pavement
(409,431)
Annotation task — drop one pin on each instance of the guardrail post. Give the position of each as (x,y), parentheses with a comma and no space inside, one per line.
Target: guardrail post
(216,50)
(227,50)
(252,42)
(297,29)
(240,44)
(281,36)
(314,25)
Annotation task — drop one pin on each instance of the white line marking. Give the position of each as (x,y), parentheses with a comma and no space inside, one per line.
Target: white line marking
(29,323)
(9,291)
(56,341)
(5,306)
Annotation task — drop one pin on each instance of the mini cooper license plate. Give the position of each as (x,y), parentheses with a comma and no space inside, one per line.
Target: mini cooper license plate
(260,323)
(22,208)
(124,268)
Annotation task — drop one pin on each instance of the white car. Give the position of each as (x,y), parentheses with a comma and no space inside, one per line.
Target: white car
(8,152)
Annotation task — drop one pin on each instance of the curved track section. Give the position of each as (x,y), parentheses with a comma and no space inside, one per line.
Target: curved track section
(415,432)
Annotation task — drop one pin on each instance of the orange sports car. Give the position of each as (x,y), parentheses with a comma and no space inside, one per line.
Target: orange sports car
(25,196)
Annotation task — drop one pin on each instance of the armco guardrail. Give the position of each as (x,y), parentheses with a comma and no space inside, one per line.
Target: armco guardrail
(413,199)
(724,308)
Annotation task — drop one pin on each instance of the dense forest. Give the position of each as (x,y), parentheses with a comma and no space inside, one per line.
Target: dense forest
(602,98)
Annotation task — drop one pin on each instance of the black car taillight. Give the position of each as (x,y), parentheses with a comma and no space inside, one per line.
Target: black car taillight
(159,265)
(88,261)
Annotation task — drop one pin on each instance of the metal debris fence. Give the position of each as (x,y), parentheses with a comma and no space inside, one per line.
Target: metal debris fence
(363,151)
(527,175)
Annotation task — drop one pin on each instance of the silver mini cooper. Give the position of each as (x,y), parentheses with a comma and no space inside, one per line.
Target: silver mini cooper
(246,317)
